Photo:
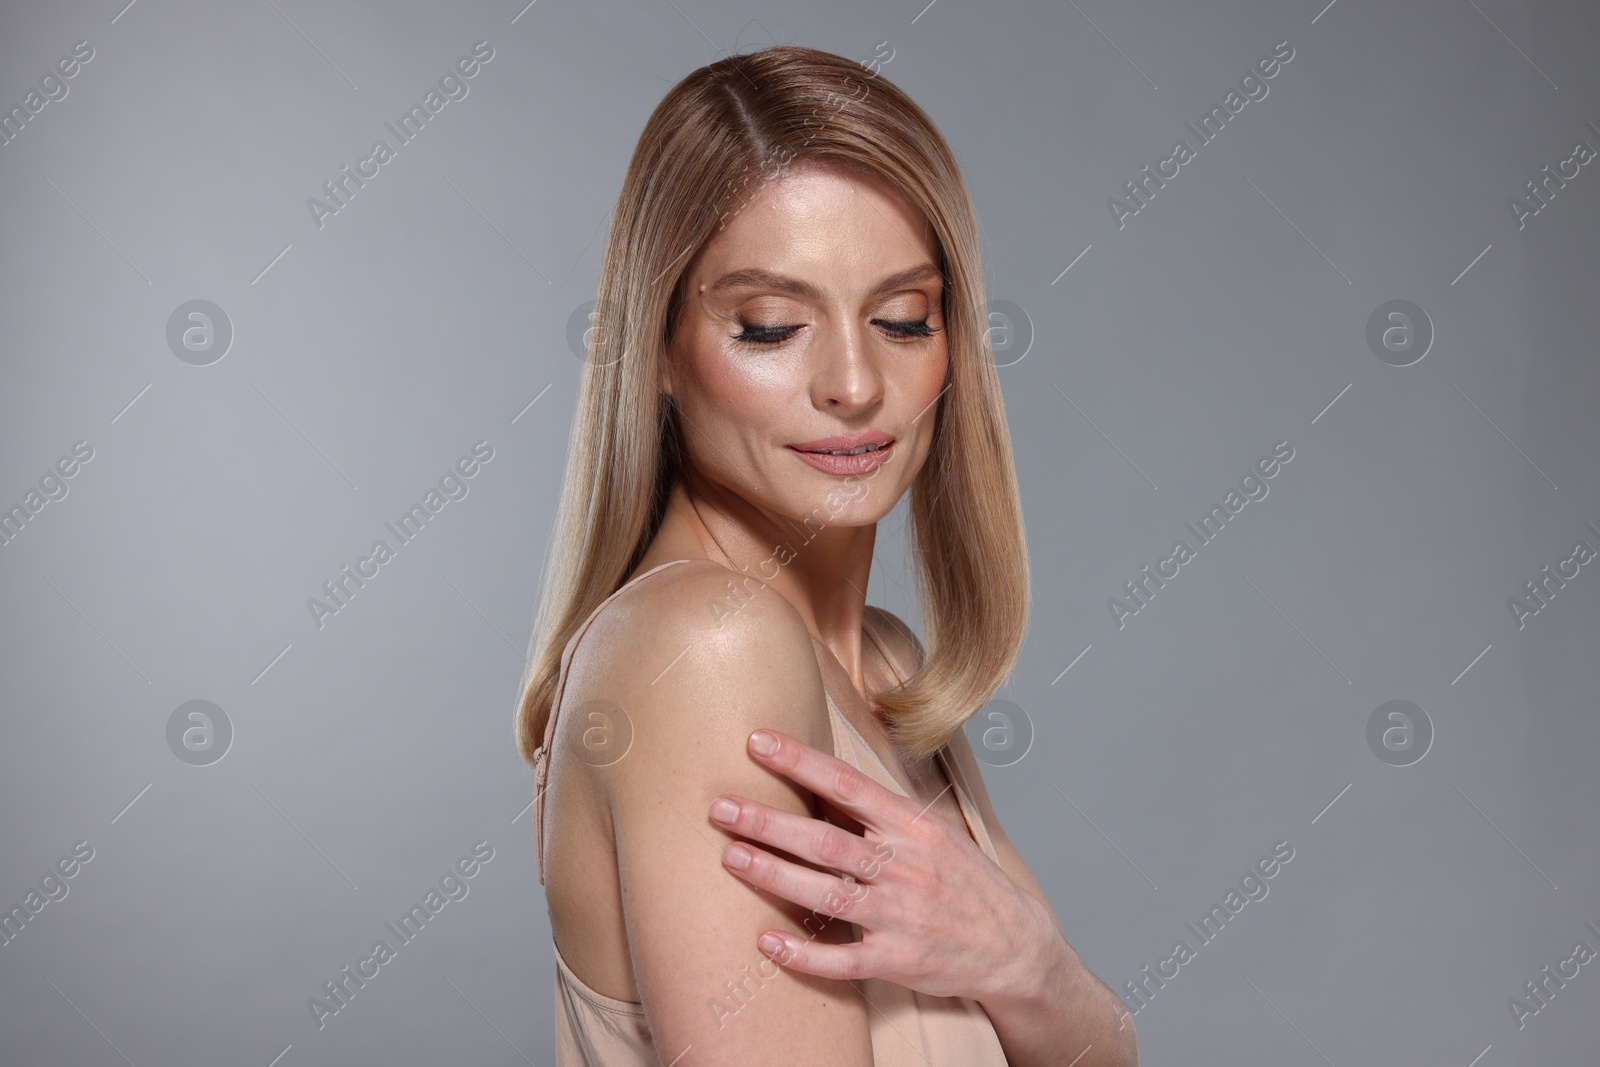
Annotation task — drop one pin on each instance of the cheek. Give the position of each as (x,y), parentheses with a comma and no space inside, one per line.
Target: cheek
(749,386)
(931,381)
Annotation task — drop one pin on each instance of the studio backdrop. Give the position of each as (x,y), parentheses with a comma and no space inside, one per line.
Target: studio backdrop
(1294,306)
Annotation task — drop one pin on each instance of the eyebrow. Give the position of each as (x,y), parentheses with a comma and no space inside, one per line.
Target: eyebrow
(755,277)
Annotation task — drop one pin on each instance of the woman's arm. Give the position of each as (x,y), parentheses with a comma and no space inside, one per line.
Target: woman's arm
(710,996)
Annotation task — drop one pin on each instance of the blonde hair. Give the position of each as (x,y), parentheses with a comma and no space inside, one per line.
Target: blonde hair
(711,141)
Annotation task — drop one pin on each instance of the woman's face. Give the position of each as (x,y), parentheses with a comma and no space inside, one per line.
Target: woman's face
(814,312)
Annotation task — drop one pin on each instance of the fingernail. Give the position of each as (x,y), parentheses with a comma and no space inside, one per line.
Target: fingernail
(763,743)
(738,857)
(771,944)
(724,810)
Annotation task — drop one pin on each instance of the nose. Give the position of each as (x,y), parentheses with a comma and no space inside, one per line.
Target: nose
(848,377)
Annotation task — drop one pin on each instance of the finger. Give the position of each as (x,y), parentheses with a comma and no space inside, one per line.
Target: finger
(851,961)
(817,891)
(800,836)
(835,781)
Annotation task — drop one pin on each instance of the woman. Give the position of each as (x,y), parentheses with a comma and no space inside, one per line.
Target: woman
(790,334)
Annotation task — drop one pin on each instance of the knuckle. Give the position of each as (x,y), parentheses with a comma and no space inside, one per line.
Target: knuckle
(835,903)
(848,783)
(830,846)
(872,864)
(759,822)
(851,967)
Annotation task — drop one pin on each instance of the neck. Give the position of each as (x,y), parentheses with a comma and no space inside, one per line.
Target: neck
(821,570)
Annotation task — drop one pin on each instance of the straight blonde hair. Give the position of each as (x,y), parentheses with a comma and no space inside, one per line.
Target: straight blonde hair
(710,143)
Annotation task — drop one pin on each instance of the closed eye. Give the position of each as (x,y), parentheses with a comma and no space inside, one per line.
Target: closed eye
(908,329)
(763,335)
(771,335)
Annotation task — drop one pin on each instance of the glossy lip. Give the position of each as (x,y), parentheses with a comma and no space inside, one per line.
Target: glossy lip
(844,441)
(861,463)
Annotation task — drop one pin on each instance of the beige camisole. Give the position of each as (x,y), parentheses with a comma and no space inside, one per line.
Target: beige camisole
(908,1028)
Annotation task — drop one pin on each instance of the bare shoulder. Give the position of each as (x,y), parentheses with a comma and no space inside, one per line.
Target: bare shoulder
(688,663)
(693,661)
(704,634)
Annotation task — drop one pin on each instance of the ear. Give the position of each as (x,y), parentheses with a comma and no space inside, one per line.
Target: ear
(664,372)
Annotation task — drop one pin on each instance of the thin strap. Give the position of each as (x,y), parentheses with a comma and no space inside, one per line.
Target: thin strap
(870,628)
(541,755)
(969,806)
(952,771)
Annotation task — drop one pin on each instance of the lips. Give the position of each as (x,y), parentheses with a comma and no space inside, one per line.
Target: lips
(845,442)
(858,463)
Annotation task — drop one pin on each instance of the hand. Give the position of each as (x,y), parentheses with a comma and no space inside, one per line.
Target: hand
(936,914)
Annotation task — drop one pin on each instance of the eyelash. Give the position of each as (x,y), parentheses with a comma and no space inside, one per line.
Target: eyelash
(771,335)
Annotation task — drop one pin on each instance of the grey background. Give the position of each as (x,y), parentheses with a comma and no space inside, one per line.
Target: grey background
(432,311)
